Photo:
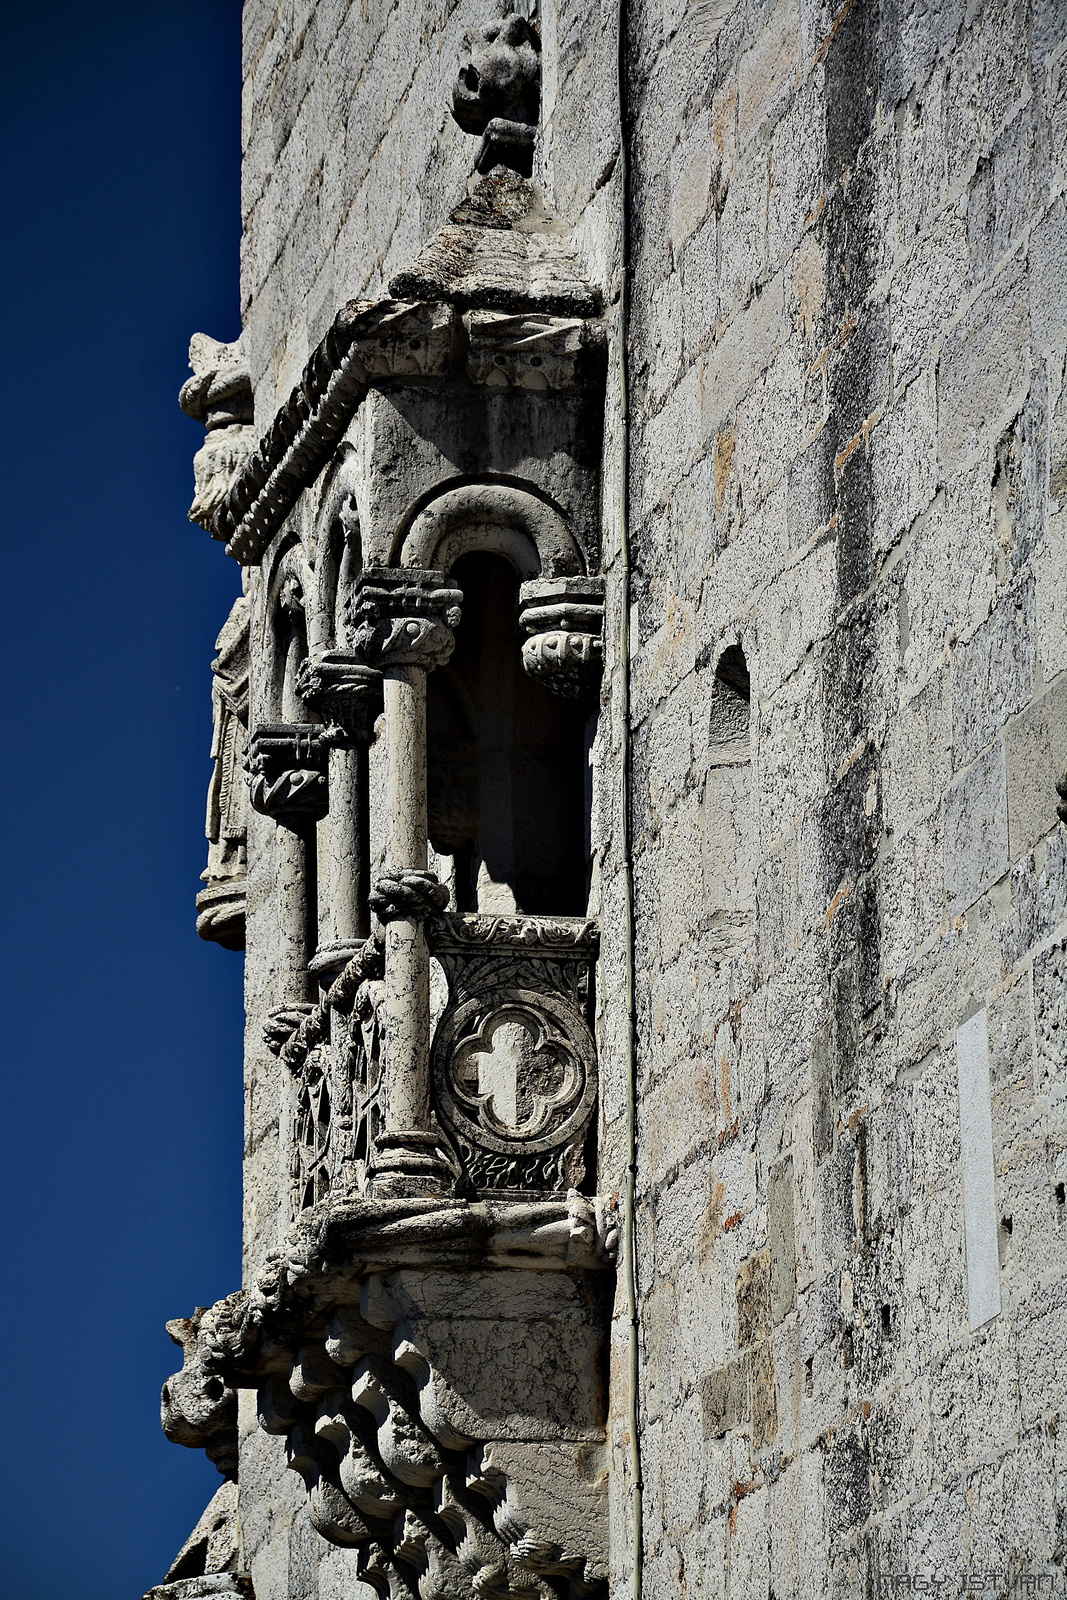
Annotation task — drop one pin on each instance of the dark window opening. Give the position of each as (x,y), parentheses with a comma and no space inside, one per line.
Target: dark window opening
(507,762)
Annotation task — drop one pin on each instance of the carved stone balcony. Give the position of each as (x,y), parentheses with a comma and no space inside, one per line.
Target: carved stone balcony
(436,1368)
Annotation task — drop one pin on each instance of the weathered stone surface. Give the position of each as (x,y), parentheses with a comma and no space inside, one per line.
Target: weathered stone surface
(833,753)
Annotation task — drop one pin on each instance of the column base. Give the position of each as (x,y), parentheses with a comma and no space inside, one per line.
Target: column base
(407,1165)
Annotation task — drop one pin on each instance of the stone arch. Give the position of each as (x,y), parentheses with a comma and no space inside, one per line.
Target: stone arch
(497,519)
(336,553)
(286,583)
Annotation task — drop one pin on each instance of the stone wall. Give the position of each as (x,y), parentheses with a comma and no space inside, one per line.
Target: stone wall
(849,688)
(850,436)
(352,158)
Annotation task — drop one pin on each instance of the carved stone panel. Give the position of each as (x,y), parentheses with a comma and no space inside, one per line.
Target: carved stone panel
(514,1059)
(220,905)
(333,1051)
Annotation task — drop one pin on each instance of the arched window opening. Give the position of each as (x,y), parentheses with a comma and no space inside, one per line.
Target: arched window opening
(729,814)
(507,762)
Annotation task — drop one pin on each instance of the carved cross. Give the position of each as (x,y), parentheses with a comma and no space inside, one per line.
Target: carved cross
(520,1077)
(499,1068)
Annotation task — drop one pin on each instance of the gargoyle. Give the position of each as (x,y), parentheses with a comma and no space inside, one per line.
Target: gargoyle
(497,92)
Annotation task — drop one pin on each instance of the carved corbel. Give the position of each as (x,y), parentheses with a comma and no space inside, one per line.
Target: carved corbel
(219,394)
(400,1407)
(563,619)
(287,769)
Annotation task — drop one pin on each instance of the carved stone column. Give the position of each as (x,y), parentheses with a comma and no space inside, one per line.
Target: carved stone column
(287,781)
(349,696)
(563,619)
(402,622)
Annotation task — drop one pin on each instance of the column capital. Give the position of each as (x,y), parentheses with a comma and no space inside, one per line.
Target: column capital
(413,895)
(343,689)
(402,617)
(563,619)
(286,764)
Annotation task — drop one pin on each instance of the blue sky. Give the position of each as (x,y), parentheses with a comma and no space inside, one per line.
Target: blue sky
(122,1067)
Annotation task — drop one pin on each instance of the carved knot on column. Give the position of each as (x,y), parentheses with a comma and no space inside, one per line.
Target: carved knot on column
(497,92)
(411,895)
(402,617)
(346,692)
(286,765)
(282,1023)
(564,619)
(197,1408)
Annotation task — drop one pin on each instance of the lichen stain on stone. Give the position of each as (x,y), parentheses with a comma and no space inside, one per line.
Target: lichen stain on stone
(723,463)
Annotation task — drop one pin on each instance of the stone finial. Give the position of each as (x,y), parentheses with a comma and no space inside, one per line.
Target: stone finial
(219,394)
(497,92)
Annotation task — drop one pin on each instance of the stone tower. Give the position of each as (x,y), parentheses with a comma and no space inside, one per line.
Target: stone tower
(636,748)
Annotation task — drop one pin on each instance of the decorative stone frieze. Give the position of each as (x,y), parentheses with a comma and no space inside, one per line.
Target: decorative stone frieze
(497,92)
(532,351)
(287,766)
(368,342)
(563,619)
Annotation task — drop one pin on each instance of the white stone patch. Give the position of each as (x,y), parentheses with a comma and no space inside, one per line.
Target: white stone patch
(976,1164)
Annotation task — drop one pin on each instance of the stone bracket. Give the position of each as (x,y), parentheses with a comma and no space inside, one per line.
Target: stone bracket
(287,769)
